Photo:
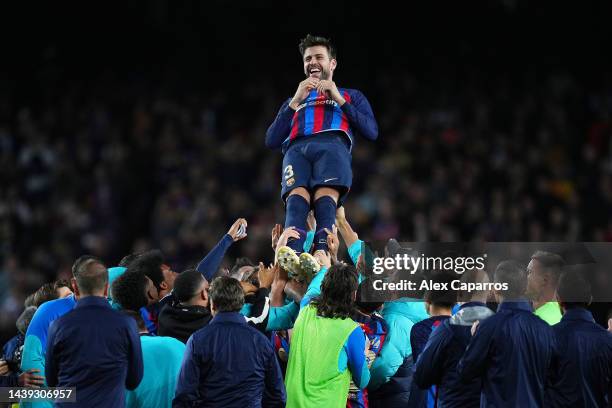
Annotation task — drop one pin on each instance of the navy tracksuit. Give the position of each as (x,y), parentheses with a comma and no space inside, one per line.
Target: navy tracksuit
(582,375)
(512,352)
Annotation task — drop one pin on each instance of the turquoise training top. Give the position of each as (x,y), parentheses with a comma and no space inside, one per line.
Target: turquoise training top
(162,357)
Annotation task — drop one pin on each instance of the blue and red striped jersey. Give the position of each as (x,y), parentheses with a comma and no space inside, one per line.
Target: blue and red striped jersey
(375,329)
(318,113)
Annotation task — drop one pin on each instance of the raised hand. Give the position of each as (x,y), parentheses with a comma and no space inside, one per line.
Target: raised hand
(276,233)
(333,243)
(266,276)
(323,258)
(284,237)
(238,229)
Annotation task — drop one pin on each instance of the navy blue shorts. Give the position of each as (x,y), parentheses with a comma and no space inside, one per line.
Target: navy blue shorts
(316,161)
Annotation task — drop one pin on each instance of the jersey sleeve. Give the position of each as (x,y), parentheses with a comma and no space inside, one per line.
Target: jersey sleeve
(360,115)
(280,128)
(209,266)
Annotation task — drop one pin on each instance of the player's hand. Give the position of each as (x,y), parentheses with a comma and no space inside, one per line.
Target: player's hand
(238,230)
(280,278)
(276,233)
(266,275)
(4,368)
(333,243)
(323,258)
(303,89)
(610,325)
(29,379)
(287,233)
(329,88)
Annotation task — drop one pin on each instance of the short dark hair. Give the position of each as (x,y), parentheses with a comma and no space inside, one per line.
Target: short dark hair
(127,260)
(128,290)
(48,292)
(551,262)
(149,263)
(337,288)
(514,275)
(444,297)
(29,301)
(574,290)
(140,323)
(472,276)
(363,305)
(81,261)
(24,319)
(88,279)
(226,294)
(44,294)
(314,40)
(187,284)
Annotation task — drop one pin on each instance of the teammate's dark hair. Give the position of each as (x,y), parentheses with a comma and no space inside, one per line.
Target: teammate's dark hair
(44,294)
(24,319)
(475,276)
(444,297)
(363,305)
(127,260)
(551,263)
(187,284)
(149,263)
(314,40)
(337,289)
(226,294)
(129,290)
(574,290)
(512,273)
(29,301)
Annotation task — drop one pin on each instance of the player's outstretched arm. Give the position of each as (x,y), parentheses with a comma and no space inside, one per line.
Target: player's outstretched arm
(360,116)
(209,266)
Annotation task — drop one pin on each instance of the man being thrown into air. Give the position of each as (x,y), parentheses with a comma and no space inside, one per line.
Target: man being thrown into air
(315,130)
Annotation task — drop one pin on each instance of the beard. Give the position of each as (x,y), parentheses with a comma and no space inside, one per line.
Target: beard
(323,74)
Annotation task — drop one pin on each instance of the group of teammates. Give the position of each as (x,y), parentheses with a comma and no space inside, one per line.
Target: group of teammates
(260,338)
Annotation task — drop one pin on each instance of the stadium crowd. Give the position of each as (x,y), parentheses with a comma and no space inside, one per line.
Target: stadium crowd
(214,337)
(94,175)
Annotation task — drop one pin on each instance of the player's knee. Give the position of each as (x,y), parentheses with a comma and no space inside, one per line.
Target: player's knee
(302,192)
(327,191)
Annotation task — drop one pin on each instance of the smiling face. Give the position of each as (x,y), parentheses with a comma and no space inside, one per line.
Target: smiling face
(318,64)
